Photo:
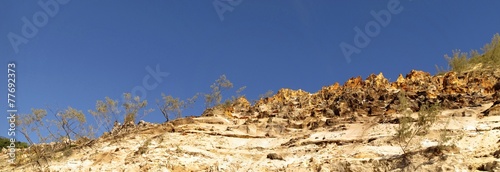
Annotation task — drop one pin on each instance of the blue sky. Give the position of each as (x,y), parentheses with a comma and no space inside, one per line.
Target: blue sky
(92,49)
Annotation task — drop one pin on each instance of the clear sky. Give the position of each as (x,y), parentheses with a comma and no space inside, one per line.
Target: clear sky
(76,52)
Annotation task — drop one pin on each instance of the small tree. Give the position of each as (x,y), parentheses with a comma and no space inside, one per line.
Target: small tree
(66,125)
(215,96)
(132,107)
(106,113)
(34,122)
(70,124)
(407,128)
(173,105)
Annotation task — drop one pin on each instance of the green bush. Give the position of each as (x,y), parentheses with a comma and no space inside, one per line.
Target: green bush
(4,142)
(459,62)
(490,57)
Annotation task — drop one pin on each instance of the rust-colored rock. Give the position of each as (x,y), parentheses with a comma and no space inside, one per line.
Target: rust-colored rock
(417,76)
(400,83)
(377,81)
(374,96)
(354,83)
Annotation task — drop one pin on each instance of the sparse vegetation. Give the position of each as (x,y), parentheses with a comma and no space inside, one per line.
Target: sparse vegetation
(214,98)
(70,125)
(173,105)
(269,93)
(447,138)
(55,135)
(59,131)
(238,93)
(462,61)
(33,122)
(132,107)
(459,61)
(408,127)
(106,113)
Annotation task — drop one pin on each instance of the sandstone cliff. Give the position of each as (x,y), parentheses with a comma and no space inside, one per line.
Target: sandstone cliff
(347,127)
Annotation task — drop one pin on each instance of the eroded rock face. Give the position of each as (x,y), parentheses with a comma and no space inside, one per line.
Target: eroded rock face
(373,96)
(376,96)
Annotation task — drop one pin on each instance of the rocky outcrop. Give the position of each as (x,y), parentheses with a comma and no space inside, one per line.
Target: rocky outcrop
(373,96)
